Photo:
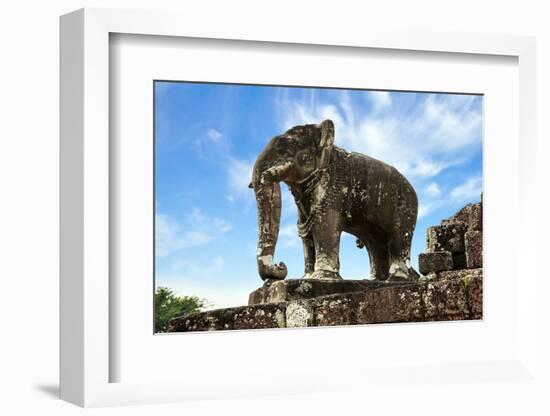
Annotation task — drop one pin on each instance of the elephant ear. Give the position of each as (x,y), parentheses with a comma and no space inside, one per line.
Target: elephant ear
(325,143)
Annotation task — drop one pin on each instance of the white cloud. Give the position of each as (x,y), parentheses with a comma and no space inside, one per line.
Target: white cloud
(199,229)
(432,190)
(450,120)
(425,168)
(212,144)
(239,171)
(288,237)
(214,135)
(167,236)
(433,197)
(470,189)
(424,209)
(430,198)
(428,205)
(240,175)
(421,136)
(380,99)
(421,140)
(202,221)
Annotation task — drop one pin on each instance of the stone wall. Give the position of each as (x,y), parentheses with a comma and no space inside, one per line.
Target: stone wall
(456,244)
(451,288)
(450,295)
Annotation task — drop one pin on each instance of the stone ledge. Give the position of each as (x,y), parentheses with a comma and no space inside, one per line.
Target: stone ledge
(241,317)
(450,295)
(300,289)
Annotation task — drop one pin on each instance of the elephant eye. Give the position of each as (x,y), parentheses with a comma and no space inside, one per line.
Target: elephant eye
(282,150)
(285,148)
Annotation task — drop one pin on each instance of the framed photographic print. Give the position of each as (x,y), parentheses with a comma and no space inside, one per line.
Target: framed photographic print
(217,216)
(237,208)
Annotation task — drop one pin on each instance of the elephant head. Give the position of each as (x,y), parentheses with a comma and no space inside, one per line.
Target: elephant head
(292,157)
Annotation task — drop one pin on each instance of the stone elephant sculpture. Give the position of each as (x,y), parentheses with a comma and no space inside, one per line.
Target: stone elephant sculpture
(334,191)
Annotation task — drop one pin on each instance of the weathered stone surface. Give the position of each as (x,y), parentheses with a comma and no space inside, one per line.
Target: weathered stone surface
(401,304)
(299,314)
(449,295)
(445,300)
(460,274)
(474,291)
(474,249)
(435,262)
(471,215)
(460,235)
(298,289)
(328,183)
(337,309)
(473,283)
(461,216)
(476,218)
(242,317)
(448,237)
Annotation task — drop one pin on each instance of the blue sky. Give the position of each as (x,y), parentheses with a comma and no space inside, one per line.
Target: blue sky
(208,136)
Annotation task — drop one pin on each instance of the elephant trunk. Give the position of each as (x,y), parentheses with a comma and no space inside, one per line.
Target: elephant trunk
(268,198)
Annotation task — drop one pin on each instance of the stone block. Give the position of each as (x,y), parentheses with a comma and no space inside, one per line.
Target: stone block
(476,218)
(242,317)
(471,215)
(445,300)
(474,291)
(448,237)
(435,262)
(473,241)
(461,216)
(300,289)
(460,274)
(386,304)
(336,309)
(299,314)
(402,304)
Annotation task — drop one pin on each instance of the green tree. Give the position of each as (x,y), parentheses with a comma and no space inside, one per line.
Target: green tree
(169,305)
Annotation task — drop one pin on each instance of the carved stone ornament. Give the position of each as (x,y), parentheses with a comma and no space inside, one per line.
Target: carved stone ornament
(334,191)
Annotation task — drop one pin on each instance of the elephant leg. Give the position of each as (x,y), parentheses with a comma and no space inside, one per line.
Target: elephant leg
(326,237)
(400,256)
(379,257)
(309,257)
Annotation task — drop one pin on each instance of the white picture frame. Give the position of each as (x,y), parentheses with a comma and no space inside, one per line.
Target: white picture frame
(85,211)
